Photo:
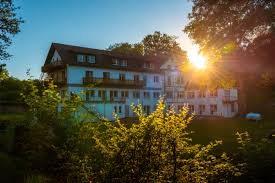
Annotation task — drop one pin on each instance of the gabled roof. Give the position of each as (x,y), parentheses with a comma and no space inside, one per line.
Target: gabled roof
(68,54)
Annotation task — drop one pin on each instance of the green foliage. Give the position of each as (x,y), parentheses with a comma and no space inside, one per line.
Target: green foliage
(127,48)
(155,44)
(161,44)
(10,89)
(258,156)
(9,26)
(44,130)
(225,25)
(157,149)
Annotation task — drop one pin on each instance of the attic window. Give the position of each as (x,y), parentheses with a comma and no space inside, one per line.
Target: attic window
(118,62)
(90,59)
(80,58)
(86,58)
(148,65)
(123,63)
(115,61)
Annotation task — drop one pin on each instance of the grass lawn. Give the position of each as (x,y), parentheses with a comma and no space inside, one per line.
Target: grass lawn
(206,130)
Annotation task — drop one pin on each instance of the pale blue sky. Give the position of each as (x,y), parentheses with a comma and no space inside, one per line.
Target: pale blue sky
(90,23)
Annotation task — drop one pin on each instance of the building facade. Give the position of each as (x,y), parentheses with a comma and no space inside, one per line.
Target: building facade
(110,82)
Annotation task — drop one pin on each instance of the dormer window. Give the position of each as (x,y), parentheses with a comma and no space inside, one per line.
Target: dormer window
(80,58)
(123,63)
(118,62)
(115,61)
(86,58)
(148,65)
(91,59)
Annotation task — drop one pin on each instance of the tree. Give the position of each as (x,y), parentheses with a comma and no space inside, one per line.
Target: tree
(219,24)
(156,149)
(161,44)
(155,44)
(127,48)
(9,26)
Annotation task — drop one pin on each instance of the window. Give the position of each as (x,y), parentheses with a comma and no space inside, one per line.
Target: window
(180,94)
(119,109)
(123,63)
(169,94)
(122,77)
(190,95)
(145,78)
(89,74)
(146,109)
(115,109)
(156,79)
(232,107)
(115,61)
(89,94)
(201,109)
(169,81)
(113,93)
(136,94)
(179,80)
(201,94)
(90,59)
(148,65)
(136,77)
(102,93)
(106,75)
(124,93)
(80,58)
(156,94)
(191,108)
(146,94)
(213,108)
(213,93)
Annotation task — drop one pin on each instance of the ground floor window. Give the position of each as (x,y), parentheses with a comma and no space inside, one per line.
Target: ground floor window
(146,109)
(201,109)
(232,107)
(191,108)
(213,108)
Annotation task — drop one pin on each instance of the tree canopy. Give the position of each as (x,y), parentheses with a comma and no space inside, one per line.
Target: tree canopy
(132,49)
(161,44)
(9,26)
(152,44)
(219,24)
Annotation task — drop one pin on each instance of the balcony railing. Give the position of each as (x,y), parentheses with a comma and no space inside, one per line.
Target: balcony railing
(113,82)
(227,99)
(52,66)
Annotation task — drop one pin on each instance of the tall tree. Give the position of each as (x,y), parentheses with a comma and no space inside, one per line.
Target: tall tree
(152,44)
(127,48)
(9,26)
(161,44)
(219,24)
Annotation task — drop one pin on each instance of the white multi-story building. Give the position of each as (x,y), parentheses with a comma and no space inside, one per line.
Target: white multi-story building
(180,90)
(110,82)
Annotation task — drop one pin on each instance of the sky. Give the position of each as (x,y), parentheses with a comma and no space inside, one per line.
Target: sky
(91,23)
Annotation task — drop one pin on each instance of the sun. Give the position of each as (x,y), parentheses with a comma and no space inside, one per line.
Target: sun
(197,59)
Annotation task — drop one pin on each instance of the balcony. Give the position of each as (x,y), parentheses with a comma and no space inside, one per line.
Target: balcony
(53,66)
(114,82)
(229,99)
